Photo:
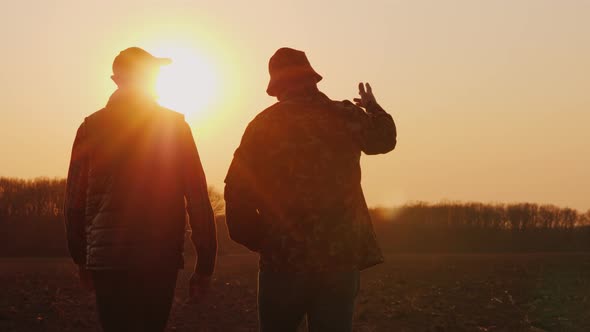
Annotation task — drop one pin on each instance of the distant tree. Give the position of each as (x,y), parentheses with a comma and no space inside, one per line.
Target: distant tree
(515,215)
(547,216)
(569,218)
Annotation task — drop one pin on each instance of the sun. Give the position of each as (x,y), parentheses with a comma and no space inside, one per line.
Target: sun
(190,84)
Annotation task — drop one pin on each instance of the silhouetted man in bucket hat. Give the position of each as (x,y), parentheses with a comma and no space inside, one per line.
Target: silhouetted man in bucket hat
(293,194)
(133,165)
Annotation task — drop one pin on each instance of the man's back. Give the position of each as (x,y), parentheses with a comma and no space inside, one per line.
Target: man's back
(302,156)
(133,164)
(135,191)
(134,174)
(293,194)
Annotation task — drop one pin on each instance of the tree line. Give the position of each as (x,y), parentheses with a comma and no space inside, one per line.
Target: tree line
(41,197)
(44,197)
(31,223)
(515,217)
(478,227)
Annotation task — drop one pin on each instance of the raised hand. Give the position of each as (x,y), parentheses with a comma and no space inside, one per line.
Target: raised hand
(367,98)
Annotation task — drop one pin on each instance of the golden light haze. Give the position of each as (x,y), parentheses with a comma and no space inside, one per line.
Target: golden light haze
(491,98)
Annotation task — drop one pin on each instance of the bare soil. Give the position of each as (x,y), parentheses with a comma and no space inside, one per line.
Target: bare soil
(519,292)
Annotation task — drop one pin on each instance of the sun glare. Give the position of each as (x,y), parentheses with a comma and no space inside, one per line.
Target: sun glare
(190,84)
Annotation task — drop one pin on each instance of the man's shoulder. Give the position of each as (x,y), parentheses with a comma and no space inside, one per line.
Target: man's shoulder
(348,107)
(268,112)
(282,108)
(105,117)
(164,111)
(96,114)
(347,104)
(92,119)
(170,114)
(264,117)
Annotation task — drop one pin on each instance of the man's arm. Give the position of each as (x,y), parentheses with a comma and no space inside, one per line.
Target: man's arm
(378,133)
(201,217)
(241,195)
(75,199)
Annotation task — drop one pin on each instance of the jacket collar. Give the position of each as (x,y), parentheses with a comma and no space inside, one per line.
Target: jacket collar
(304,95)
(131,100)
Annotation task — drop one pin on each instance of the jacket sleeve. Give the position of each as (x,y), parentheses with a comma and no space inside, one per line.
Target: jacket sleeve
(200,212)
(75,198)
(378,131)
(242,195)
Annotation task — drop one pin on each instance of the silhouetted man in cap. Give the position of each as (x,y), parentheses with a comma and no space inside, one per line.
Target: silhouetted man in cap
(133,165)
(293,194)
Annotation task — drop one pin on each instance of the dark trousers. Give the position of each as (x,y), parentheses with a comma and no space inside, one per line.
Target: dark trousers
(326,298)
(134,300)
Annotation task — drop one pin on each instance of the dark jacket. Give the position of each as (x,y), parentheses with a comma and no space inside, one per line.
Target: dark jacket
(133,164)
(293,191)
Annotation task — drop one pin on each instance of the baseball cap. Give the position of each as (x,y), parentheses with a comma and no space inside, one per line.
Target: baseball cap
(135,60)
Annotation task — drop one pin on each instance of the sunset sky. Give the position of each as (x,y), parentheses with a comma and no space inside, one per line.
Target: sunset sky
(491,98)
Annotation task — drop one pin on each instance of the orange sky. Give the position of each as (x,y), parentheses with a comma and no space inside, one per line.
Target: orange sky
(491,97)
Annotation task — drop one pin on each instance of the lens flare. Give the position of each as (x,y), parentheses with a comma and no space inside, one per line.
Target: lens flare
(188,85)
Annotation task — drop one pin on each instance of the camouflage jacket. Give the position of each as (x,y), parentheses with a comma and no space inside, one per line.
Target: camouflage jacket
(293,191)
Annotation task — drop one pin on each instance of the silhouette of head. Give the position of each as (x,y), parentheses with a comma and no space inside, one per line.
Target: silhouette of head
(136,69)
(290,68)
